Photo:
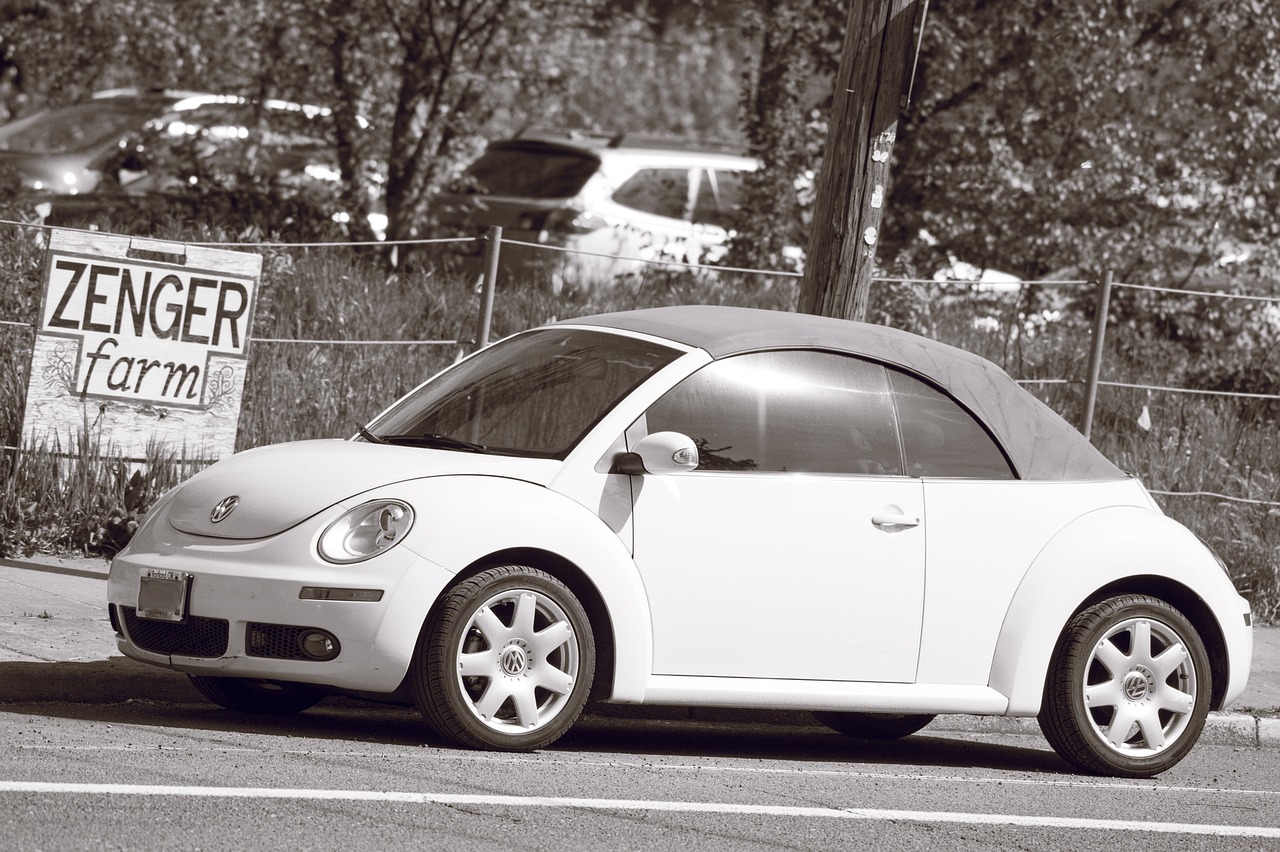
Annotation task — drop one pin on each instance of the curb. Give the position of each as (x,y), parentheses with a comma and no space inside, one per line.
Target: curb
(1225,729)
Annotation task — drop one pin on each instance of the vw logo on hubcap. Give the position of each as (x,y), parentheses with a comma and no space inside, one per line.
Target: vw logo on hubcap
(1135,686)
(513,660)
(225,507)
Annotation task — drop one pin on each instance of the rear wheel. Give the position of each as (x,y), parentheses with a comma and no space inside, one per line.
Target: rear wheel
(506,661)
(874,726)
(1128,691)
(257,696)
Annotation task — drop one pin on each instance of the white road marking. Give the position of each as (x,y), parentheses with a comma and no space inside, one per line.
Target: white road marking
(866,814)
(693,768)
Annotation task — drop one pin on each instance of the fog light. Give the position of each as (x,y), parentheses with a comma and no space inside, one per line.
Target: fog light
(318,645)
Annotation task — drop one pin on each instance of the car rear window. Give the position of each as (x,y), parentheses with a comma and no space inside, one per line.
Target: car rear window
(532,170)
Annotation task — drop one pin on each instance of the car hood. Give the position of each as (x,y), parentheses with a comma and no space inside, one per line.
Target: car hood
(280,486)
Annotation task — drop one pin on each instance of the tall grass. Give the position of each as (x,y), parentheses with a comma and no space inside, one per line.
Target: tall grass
(76,496)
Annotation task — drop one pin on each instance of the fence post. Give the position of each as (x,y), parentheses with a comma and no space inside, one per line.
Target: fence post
(494,239)
(1095,354)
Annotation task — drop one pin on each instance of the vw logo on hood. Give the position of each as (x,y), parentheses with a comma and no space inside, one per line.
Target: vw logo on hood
(225,507)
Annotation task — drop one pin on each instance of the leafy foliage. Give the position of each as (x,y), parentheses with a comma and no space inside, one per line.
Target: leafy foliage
(1050,139)
(1064,135)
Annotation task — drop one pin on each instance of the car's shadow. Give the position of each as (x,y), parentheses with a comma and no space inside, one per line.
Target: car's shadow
(119,691)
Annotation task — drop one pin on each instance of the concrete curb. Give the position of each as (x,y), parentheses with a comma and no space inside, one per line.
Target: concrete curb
(1230,729)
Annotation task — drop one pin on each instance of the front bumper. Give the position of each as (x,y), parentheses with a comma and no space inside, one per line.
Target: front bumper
(245,615)
(1237,633)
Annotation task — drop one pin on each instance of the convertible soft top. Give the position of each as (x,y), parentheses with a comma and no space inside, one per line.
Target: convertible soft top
(1038,441)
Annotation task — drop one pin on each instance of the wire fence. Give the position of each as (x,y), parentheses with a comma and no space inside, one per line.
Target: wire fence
(493,241)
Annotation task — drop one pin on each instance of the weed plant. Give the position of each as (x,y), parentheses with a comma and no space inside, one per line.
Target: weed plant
(78,495)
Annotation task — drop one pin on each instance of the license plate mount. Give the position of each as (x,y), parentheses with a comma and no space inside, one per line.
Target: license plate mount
(163,595)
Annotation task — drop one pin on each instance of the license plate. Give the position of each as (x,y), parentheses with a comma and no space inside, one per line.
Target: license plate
(162,595)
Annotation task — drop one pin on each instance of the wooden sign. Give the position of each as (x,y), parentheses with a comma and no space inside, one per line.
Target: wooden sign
(142,342)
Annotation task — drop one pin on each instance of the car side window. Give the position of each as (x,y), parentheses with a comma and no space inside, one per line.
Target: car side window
(663,192)
(797,411)
(718,198)
(939,438)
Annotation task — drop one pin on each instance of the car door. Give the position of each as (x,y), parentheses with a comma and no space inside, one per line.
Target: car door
(796,548)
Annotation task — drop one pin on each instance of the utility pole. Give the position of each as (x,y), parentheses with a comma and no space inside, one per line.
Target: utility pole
(875,66)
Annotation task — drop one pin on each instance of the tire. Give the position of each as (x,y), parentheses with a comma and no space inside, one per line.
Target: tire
(1131,662)
(257,696)
(874,726)
(505,662)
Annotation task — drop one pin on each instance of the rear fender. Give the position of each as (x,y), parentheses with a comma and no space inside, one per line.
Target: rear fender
(1098,549)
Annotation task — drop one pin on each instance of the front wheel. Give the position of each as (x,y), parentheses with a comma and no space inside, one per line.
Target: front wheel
(1128,691)
(874,726)
(506,661)
(257,696)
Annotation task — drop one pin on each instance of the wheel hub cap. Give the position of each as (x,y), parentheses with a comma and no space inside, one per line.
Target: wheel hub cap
(514,661)
(1137,685)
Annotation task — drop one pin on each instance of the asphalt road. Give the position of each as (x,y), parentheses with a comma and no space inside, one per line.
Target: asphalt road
(148,774)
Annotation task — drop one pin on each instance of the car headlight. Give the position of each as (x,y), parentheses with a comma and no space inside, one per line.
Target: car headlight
(366,531)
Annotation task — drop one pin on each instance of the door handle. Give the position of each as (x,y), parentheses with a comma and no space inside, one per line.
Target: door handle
(887,520)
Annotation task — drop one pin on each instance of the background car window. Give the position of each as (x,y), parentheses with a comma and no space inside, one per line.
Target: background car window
(800,411)
(664,192)
(940,438)
(531,170)
(718,194)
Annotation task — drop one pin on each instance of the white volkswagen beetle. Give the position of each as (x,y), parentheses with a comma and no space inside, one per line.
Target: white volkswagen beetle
(698,506)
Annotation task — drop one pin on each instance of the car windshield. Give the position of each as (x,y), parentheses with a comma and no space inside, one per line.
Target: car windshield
(69,129)
(532,170)
(534,395)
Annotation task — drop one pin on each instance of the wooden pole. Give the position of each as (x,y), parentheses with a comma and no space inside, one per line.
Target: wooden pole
(870,91)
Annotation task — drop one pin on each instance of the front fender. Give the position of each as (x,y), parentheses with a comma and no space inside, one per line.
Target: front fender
(464,519)
(1093,551)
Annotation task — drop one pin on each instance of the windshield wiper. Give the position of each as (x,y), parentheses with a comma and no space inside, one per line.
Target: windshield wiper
(369,436)
(444,442)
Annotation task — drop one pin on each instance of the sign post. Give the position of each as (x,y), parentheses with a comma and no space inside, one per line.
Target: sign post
(143,343)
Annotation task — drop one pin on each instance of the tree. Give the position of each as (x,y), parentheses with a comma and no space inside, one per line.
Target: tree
(71,48)
(1065,136)
(429,77)
(783,125)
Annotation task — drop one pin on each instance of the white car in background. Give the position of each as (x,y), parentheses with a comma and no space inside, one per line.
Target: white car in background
(586,209)
(698,506)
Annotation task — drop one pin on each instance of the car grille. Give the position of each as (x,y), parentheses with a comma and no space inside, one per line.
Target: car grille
(278,641)
(196,637)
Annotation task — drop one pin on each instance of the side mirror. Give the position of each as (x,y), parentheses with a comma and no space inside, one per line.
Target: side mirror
(661,452)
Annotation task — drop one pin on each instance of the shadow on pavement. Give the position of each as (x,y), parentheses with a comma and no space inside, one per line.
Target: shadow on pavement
(122,691)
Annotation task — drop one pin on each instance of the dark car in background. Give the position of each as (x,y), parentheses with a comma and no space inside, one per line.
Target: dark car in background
(128,149)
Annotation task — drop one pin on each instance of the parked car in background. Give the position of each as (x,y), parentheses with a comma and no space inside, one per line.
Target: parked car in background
(595,208)
(698,506)
(126,148)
